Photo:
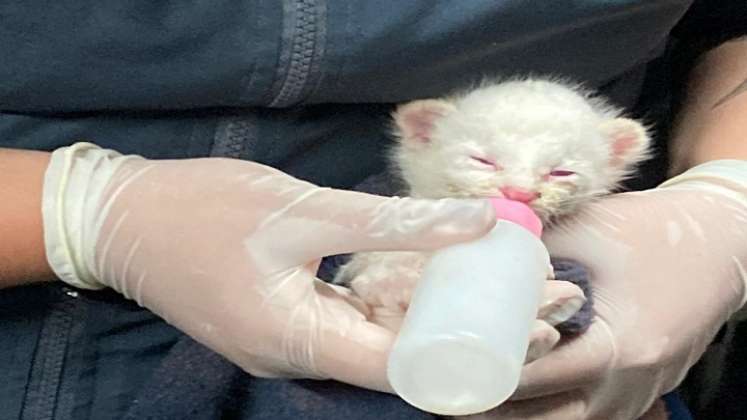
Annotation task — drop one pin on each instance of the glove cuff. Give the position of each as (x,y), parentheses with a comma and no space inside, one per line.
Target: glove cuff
(727,177)
(72,211)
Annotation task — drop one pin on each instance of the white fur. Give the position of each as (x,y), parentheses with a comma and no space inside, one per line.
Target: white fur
(529,127)
(384,278)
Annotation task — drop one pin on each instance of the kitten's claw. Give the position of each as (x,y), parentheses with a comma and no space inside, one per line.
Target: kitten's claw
(550,272)
(560,302)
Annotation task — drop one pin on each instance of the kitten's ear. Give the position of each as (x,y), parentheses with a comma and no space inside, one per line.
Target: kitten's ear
(416,120)
(628,139)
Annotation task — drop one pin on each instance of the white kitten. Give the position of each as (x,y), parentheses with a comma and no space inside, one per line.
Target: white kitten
(544,142)
(547,143)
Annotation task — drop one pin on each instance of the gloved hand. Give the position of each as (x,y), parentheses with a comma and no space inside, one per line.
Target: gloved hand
(668,268)
(227,251)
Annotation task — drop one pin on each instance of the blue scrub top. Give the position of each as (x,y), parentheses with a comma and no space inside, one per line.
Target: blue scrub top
(302,85)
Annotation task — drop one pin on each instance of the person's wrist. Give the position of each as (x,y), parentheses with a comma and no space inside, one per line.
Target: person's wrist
(22,256)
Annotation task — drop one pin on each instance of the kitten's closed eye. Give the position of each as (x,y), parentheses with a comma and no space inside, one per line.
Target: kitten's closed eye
(487,162)
(561,173)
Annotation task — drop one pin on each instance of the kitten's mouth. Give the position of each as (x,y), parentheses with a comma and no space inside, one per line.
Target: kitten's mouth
(522,195)
(537,205)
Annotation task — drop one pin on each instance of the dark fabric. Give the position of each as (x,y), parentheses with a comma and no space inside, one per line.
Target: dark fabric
(709,23)
(73,55)
(97,356)
(677,410)
(68,354)
(715,386)
(186,79)
(576,273)
(194,383)
(191,382)
(331,145)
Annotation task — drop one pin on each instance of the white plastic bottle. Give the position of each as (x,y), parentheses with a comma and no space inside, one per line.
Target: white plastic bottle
(465,336)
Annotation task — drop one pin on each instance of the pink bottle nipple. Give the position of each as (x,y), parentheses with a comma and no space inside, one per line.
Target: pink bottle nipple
(517,212)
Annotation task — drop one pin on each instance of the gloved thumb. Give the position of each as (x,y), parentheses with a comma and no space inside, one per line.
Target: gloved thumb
(346,346)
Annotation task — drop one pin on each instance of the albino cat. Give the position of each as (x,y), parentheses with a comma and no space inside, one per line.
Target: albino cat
(547,143)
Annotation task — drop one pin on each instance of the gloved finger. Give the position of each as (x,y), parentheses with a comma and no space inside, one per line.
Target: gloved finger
(561,406)
(357,356)
(573,364)
(339,222)
(560,301)
(345,346)
(542,339)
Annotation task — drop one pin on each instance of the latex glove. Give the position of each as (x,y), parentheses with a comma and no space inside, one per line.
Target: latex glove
(668,269)
(227,251)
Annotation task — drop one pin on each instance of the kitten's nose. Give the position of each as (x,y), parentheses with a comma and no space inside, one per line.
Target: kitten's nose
(519,194)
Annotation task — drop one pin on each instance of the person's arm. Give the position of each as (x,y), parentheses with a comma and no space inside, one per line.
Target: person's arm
(713,122)
(22,257)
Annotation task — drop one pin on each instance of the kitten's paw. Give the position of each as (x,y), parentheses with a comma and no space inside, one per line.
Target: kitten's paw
(550,272)
(387,288)
(388,279)
(561,300)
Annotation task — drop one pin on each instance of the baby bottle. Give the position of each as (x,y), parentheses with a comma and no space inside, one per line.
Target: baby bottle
(464,338)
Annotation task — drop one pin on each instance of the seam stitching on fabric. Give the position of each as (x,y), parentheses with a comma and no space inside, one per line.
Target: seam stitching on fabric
(301,53)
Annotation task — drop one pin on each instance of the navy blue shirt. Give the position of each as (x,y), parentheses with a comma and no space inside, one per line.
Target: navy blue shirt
(302,85)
